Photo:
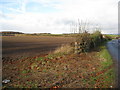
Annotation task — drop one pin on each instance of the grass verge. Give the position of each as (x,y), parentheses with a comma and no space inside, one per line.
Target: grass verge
(106,76)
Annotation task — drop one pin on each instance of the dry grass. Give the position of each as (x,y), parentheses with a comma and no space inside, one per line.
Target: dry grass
(65,48)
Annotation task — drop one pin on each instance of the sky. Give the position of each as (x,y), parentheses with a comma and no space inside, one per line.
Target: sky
(58,16)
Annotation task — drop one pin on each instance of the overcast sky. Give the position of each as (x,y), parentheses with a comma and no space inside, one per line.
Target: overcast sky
(56,16)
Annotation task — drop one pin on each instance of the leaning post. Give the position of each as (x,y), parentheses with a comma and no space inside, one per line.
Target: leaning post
(76,48)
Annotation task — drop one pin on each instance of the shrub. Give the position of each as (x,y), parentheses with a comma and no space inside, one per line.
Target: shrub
(86,40)
(96,39)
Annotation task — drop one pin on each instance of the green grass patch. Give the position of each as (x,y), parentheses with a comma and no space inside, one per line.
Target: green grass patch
(107,79)
(40,58)
(25,71)
(50,56)
(106,57)
(112,36)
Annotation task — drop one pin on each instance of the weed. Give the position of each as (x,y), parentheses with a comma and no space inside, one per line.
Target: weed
(50,57)
(24,71)
(29,82)
(43,63)
(84,80)
(57,75)
(40,58)
(44,70)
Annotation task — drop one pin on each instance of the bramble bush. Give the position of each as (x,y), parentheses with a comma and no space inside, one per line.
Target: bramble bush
(84,41)
(87,41)
(96,39)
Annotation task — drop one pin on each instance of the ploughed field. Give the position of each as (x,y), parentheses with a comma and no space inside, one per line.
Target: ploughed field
(29,46)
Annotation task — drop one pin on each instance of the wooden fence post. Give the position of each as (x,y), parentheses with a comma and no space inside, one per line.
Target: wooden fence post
(79,48)
(76,48)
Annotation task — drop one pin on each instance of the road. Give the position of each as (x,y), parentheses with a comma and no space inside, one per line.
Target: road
(114,49)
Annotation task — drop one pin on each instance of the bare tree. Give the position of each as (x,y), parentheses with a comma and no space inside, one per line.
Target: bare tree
(73,27)
(82,26)
(79,27)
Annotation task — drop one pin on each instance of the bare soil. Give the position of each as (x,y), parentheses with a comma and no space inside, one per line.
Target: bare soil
(66,71)
(14,47)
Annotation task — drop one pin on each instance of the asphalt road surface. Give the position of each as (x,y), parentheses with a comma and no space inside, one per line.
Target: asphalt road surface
(114,47)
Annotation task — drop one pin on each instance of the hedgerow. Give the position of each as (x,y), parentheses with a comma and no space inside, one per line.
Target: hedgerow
(87,41)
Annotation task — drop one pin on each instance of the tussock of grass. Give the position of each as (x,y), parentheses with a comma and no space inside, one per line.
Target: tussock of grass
(64,49)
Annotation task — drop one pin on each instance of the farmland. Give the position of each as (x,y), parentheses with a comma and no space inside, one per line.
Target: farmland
(46,69)
(26,46)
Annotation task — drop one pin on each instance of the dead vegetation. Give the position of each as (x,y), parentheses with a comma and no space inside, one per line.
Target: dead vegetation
(65,48)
